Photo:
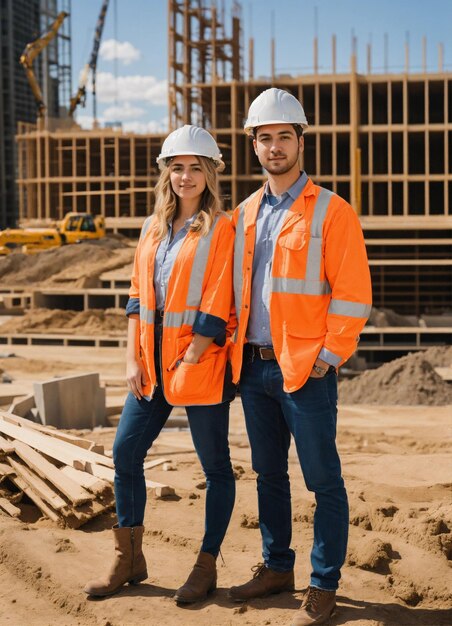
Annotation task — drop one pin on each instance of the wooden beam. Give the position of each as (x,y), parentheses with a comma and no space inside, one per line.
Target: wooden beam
(44,508)
(59,450)
(46,470)
(9,508)
(43,490)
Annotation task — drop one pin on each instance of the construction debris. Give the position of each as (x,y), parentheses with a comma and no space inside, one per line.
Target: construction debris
(68,478)
(71,401)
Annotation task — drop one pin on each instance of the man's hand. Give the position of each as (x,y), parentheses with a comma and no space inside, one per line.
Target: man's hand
(323,364)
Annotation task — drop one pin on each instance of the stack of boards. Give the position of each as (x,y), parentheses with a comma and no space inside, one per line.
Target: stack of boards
(68,478)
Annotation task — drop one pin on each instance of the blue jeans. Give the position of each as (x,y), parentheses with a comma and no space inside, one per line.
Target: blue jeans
(141,422)
(309,415)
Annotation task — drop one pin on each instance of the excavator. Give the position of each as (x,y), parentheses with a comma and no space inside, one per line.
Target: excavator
(74,228)
(31,52)
(80,96)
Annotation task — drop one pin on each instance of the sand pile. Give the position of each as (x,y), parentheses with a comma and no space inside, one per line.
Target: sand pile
(387,317)
(91,321)
(75,265)
(409,380)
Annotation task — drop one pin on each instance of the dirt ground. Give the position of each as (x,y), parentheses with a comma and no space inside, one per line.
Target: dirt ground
(396,463)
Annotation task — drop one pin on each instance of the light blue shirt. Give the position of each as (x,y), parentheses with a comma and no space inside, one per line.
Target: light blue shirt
(164,260)
(270,218)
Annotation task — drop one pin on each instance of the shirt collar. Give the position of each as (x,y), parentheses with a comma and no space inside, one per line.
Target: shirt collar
(295,190)
(188,222)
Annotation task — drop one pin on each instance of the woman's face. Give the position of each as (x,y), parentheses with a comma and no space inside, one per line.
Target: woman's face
(187,178)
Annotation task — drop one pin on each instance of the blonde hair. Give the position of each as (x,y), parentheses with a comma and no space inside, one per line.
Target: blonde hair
(166,201)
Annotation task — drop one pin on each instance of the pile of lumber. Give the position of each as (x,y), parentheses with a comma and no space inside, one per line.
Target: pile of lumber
(68,478)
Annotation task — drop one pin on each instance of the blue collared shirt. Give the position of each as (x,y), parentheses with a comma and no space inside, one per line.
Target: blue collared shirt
(164,260)
(270,218)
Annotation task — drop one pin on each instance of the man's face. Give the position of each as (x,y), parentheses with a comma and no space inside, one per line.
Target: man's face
(277,148)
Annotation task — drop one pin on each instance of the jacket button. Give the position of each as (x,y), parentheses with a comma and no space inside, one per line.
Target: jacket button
(246,306)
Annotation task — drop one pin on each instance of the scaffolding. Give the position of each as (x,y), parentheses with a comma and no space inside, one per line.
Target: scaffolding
(381,141)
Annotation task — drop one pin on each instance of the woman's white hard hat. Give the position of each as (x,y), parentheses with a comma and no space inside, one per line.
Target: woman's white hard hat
(275,106)
(190,140)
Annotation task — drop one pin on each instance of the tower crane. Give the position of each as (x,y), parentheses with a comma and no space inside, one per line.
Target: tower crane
(80,96)
(31,52)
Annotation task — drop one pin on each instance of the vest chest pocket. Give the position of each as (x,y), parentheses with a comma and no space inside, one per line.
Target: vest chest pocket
(295,240)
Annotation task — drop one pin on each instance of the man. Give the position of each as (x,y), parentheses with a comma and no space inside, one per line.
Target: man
(303,294)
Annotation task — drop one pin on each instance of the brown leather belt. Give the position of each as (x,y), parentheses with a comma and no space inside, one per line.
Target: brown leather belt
(259,352)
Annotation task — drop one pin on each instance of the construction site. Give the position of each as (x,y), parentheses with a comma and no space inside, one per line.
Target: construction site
(382,141)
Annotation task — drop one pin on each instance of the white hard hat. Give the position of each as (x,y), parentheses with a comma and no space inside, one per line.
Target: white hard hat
(275,106)
(190,140)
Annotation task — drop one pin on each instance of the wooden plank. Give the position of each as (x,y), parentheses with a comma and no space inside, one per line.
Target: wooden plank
(44,508)
(48,471)
(87,444)
(88,481)
(6,446)
(9,508)
(151,464)
(76,517)
(43,490)
(60,450)
(5,470)
(108,474)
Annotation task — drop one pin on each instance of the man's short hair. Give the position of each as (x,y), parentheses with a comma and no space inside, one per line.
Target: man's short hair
(297,128)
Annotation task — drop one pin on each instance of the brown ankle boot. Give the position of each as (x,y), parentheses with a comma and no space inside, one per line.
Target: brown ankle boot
(317,607)
(265,581)
(129,565)
(202,580)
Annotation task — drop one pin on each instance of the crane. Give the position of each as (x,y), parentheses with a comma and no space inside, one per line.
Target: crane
(31,52)
(80,96)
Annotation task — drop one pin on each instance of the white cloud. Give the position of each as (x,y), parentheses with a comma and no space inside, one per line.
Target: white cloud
(124,51)
(135,88)
(131,126)
(142,128)
(86,121)
(124,112)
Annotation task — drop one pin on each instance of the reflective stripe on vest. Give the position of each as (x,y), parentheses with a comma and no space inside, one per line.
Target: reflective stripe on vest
(146,314)
(301,286)
(349,308)
(194,295)
(239,245)
(314,260)
(145,227)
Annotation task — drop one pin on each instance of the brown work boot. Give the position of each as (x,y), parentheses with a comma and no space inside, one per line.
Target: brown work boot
(129,565)
(202,580)
(318,605)
(265,581)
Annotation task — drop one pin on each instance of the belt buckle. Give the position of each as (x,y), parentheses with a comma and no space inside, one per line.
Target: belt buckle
(266,354)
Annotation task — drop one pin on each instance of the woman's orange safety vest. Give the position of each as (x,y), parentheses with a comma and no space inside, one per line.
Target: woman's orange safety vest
(200,284)
(320,282)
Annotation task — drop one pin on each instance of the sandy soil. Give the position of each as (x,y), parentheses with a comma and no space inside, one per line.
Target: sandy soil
(396,462)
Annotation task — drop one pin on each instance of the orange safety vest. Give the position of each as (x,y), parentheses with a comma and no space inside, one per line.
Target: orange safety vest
(200,281)
(320,293)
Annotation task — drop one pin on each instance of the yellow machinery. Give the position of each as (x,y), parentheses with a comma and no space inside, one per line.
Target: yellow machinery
(74,228)
(31,52)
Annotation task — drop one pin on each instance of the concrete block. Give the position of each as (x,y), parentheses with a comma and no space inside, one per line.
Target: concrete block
(23,406)
(71,401)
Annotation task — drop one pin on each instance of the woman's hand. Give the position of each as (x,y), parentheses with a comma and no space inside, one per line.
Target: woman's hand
(136,377)
(197,347)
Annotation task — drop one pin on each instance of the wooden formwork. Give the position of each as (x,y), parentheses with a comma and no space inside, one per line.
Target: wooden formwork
(382,141)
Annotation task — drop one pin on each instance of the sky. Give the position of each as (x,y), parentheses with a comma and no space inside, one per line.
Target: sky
(132,65)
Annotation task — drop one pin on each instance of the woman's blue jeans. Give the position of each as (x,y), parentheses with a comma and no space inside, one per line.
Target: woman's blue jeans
(140,424)
(309,415)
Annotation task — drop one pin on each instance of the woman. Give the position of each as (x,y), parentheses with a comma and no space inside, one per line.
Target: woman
(177,354)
